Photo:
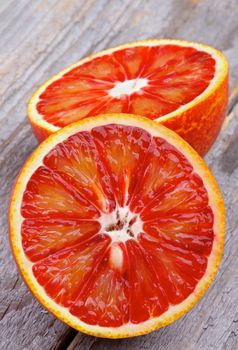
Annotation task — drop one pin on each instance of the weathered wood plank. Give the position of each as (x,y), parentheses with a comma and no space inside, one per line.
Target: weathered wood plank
(38,38)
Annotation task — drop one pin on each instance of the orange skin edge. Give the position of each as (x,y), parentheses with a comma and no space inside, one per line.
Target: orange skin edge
(201,124)
(40,132)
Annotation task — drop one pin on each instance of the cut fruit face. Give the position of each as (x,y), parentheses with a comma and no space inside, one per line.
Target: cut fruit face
(117,225)
(159,79)
(155,80)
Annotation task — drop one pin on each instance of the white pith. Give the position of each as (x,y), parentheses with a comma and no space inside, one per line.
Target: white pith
(127,230)
(174,311)
(125,215)
(127,87)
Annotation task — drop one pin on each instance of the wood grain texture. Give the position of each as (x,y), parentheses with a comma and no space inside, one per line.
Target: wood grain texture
(37,39)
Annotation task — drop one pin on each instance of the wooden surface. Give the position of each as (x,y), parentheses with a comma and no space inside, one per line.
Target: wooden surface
(40,37)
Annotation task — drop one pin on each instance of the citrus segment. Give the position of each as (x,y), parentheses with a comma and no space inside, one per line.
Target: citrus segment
(191,230)
(54,235)
(120,223)
(184,268)
(104,301)
(180,84)
(63,273)
(144,285)
(163,169)
(77,159)
(48,195)
(122,149)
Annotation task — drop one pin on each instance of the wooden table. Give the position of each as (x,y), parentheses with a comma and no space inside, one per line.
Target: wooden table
(40,37)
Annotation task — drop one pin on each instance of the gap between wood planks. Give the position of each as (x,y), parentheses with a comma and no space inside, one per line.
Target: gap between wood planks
(72,337)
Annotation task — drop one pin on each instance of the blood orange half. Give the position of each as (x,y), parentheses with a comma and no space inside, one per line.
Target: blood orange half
(117,225)
(182,85)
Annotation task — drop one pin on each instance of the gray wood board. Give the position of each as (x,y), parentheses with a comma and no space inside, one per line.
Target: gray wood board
(40,37)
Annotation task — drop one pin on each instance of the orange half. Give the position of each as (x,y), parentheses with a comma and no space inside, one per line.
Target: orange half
(117,225)
(182,85)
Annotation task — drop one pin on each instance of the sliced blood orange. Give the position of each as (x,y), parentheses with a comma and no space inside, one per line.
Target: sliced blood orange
(117,225)
(180,84)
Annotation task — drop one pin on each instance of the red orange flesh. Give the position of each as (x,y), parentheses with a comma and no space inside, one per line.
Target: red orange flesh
(182,85)
(118,225)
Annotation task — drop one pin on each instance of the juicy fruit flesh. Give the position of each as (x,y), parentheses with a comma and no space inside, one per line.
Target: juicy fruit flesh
(146,80)
(117,225)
